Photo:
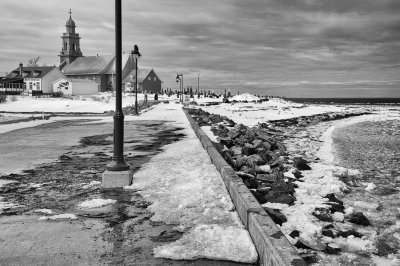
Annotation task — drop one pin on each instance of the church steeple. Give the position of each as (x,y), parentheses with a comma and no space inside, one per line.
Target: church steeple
(70,49)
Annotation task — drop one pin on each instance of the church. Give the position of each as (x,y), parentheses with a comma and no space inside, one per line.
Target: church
(100,69)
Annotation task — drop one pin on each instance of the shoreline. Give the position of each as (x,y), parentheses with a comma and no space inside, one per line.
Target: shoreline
(329,163)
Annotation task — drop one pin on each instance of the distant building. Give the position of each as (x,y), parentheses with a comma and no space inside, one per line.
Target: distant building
(147,81)
(32,80)
(75,86)
(100,69)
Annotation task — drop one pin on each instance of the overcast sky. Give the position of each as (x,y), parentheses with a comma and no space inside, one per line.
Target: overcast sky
(284,47)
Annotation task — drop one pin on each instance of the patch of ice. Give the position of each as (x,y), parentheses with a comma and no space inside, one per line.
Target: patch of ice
(370,187)
(4,182)
(209,133)
(354,244)
(381,261)
(275,205)
(212,242)
(96,203)
(70,216)
(91,184)
(45,211)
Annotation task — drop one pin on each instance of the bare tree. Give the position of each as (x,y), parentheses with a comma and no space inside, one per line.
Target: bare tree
(33,62)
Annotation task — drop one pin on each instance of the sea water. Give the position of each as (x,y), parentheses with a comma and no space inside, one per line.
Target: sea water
(373,147)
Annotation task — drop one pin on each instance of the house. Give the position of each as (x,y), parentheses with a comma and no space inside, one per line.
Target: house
(75,86)
(148,81)
(32,80)
(100,69)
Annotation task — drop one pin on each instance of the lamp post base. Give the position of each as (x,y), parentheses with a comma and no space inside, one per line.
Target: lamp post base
(113,179)
(117,165)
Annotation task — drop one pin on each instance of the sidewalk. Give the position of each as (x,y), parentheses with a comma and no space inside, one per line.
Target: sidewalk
(61,216)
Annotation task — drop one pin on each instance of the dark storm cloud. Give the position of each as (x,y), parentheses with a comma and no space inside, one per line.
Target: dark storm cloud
(232,43)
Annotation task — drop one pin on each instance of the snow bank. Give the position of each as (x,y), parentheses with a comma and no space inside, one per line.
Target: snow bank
(244,97)
(212,242)
(96,203)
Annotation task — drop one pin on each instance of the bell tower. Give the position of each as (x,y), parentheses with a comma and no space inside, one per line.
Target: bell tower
(70,43)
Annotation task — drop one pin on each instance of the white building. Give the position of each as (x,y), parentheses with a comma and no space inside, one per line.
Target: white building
(75,86)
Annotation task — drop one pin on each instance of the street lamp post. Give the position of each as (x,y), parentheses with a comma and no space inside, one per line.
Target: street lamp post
(118,162)
(198,82)
(180,77)
(136,55)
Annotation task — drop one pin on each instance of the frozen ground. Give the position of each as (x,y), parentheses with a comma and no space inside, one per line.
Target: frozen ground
(251,114)
(186,189)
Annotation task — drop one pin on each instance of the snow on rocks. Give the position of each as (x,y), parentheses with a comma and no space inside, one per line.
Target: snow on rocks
(370,187)
(213,242)
(96,203)
(68,216)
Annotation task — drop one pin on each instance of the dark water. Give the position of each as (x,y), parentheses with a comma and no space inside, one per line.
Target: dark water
(367,101)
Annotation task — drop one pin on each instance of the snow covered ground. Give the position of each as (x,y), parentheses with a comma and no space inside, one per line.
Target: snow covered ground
(186,189)
(250,114)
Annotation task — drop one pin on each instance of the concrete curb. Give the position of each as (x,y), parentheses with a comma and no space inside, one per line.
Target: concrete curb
(272,246)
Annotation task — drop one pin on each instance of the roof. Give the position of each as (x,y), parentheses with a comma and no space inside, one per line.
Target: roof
(30,72)
(142,75)
(104,64)
(87,81)
(89,65)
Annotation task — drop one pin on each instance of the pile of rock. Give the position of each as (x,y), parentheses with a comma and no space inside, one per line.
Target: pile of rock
(313,119)
(259,157)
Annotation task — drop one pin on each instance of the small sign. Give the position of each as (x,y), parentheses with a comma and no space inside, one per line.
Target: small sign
(186,99)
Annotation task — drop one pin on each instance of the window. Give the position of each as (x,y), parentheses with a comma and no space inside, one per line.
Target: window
(30,85)
(155,79)
(74,46)
(149,78)
(65,46)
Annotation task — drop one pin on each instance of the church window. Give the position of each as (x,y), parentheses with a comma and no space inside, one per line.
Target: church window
(155,79)
(150,78)
(65,46)
(74,46)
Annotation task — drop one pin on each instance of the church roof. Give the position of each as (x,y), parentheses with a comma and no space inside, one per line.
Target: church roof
(142,75)
(30,72)
(70,22)
(90,65)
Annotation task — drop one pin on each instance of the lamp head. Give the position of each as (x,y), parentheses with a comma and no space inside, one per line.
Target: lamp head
(135,51)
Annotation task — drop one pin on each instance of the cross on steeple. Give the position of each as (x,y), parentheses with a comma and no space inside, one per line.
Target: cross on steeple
(70,12)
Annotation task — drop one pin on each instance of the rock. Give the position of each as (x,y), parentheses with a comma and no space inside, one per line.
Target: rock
(332,198)
(311,242)
(301,164)
(335,207)
(348,212)
(244,175)
(65,158)
(329,226)
(289,175)
(332,248)
(251,183)
(296,173)
(258,143)
(237,150)
(240,162)
(276,215)
(237,131)
(248,170)
(338,217)
(280,146)
(266,155)
(322,214)
(347,233)
(309,258)
(327,232)
(228,142)
(370,187)
(266,178)
(265,168)
(267,146)
(248,149)
(279,197)
(263,189)
(359,218)
(254,160)
(294,234)
(260,197)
